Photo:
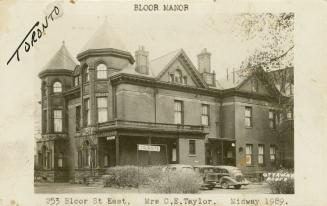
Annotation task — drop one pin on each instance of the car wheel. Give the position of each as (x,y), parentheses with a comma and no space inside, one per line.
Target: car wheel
(224,185)
(211,187)
(237,186)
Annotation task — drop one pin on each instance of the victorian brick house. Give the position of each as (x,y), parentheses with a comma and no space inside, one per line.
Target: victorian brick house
(95,113)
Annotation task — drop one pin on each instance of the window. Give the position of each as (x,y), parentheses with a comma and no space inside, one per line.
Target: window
(205,115)
(57,120)
(44,121)
(248,154)
(57,87)
(184,79)
(60,160)
(261,154)
(101,71)
(76,81)
(254,85)
(85,154)
(87,115)
(273,119)
(102,109)
(272,116)
(78,118)
(191,150)
(171,77)
(248,116)
(178,112)
(86,74)
(272,153)
(45,157)
(178,76)
(289,115)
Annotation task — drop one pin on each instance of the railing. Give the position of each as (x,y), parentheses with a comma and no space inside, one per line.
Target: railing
(150,125)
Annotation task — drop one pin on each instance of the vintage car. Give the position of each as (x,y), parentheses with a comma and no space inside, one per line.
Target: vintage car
(210,178)
(230,176)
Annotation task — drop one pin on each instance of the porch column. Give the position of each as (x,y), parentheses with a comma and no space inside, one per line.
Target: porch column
(117,150)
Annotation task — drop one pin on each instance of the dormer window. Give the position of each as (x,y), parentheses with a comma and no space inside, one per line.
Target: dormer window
(184,79)
(171,77)
(178,76)
(57,88)
(254,85)
(101,71)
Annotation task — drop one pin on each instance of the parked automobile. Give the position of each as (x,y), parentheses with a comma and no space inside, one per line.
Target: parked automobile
(209,177)
(230,176)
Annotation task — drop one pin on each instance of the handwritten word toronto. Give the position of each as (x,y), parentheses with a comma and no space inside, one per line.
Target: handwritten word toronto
(35,33)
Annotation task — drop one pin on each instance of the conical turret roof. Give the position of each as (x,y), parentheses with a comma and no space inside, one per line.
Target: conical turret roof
(61,60)
(104,38)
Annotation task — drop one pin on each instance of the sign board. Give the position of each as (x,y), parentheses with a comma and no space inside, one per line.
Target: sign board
(111,138)
(151,148)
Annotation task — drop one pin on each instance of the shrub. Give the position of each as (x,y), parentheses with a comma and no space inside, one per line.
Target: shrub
(130,176)
(281,181)
(176,182)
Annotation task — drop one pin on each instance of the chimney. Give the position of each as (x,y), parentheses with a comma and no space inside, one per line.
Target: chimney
(142,60)
(204,61)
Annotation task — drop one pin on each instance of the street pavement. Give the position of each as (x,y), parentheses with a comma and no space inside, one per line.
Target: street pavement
(62,188)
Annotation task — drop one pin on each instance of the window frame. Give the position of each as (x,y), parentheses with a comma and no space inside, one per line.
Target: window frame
(86,74)
(261,154)
(250,117)
(181,111)
(87,112)
(254,85)
(207,115)
(56,119)
(76,81)
(57,87)
(103,72)
(103,109)
(192,147)
(249,154)
(78,118)
(273,153)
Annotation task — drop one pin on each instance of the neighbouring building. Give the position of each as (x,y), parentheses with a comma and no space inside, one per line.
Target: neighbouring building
(96,112)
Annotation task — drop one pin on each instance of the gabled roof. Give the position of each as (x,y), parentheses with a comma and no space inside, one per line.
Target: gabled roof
(234,79)
(61,60)
(104,38)
(157,65)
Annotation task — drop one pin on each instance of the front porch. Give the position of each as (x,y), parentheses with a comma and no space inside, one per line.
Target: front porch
(116,144)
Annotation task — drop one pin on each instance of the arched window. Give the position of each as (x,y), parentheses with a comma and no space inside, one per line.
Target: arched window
(178,76)
(101,71)
(86,74)
(57,87)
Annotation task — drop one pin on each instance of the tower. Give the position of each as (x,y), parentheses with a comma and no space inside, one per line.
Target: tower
(56,77)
